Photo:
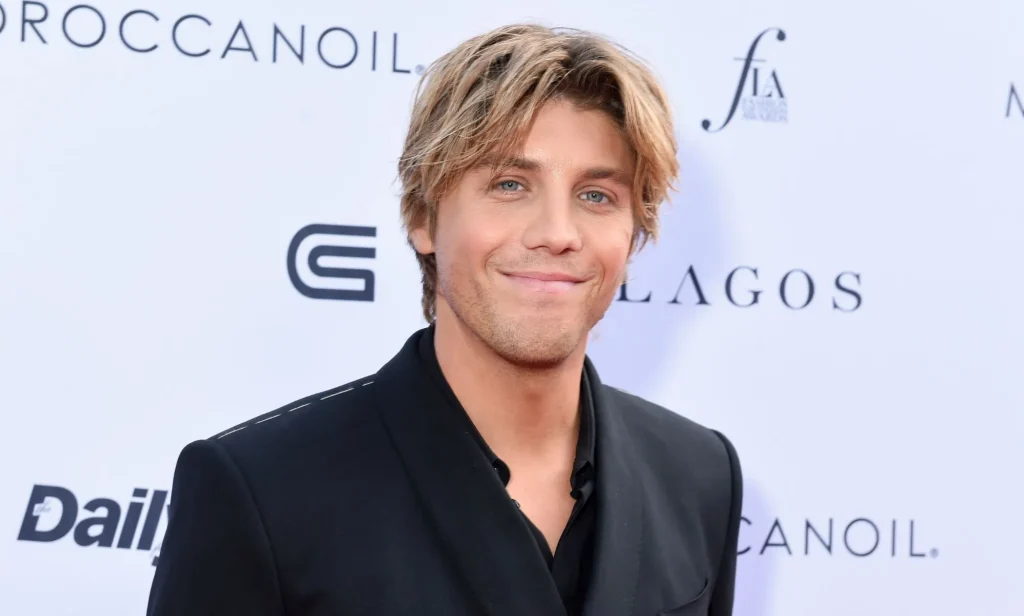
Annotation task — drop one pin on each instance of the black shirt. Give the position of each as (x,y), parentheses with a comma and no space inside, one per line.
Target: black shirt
(570,563)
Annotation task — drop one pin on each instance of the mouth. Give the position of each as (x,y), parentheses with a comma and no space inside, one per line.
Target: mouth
(545,282)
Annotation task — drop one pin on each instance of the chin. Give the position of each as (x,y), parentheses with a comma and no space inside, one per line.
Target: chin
(529,341)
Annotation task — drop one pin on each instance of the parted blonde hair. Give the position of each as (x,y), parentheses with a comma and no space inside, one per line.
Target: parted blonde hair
(479,100)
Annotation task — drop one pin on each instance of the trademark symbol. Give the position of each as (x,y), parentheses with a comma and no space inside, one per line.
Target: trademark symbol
(419,69)
(934,553)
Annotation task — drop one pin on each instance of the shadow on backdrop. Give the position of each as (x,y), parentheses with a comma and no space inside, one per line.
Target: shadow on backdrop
(656,310)
(754,573)
(636,345)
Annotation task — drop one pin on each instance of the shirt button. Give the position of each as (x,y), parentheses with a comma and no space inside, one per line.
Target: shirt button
(517,503)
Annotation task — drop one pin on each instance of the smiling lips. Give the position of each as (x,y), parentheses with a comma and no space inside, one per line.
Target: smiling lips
(546,282)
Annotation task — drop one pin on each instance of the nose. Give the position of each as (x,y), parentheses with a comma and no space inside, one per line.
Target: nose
(553,225)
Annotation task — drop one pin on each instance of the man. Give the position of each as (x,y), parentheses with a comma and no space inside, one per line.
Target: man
(485,469)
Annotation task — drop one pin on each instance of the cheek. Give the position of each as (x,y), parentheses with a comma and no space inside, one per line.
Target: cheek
(613,245)
(615,267)
(465,242)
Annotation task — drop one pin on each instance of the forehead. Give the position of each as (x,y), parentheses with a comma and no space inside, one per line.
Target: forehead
(565,139)
(561,130)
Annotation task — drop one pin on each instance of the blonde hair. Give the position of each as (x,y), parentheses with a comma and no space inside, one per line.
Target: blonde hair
(480,98)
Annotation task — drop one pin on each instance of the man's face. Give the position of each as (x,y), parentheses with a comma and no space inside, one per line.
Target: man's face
(530,261)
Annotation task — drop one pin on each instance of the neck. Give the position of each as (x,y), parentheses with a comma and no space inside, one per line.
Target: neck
(525,414)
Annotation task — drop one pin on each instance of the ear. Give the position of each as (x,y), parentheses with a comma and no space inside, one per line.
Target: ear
(421,241)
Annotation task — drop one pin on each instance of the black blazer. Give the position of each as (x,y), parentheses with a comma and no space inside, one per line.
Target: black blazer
(342,503)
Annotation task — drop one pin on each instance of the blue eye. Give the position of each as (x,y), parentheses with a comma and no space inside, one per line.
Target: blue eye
(595,196)
(508,185)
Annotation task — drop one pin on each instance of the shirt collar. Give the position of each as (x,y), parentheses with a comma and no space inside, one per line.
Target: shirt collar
(583,466)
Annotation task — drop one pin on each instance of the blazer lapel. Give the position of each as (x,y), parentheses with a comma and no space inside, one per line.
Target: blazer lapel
(613,581)
(463,497)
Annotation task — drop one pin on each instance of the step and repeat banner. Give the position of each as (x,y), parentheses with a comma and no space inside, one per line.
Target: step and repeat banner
(837,286)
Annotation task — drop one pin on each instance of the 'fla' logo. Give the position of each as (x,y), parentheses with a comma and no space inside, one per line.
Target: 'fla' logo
(764,101)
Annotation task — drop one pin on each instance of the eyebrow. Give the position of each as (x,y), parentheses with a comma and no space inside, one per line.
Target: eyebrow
(608,173)
(514,162)
(522,163)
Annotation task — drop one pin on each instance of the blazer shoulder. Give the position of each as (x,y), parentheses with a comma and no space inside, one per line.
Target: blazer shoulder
(669,440)
(654,421)
(300,421)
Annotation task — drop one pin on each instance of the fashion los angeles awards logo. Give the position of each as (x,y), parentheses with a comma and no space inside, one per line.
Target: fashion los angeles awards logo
(759,95)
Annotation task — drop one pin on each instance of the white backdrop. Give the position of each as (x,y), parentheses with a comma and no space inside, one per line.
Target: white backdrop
(148,200)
